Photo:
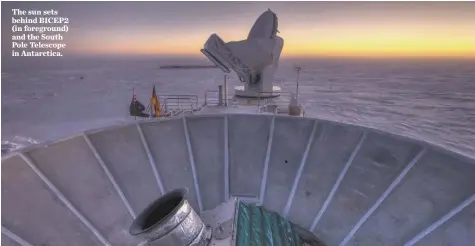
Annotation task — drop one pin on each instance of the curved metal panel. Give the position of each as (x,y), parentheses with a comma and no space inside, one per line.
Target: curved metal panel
(350,185)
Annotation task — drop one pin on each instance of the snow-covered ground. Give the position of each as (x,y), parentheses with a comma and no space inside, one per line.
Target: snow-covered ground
(429,100)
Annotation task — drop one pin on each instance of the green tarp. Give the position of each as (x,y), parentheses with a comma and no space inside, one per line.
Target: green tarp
(258,227)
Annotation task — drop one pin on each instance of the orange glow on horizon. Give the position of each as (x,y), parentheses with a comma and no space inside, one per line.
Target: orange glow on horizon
(385,39)
(306,50)
(293,46)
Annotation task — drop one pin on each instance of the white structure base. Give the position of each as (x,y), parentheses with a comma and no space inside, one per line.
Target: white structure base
(240,91)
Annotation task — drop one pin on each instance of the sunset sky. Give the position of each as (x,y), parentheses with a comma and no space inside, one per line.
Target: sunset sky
(311,29)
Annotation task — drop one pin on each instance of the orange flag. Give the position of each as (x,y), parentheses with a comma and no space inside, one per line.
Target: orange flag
(155,103)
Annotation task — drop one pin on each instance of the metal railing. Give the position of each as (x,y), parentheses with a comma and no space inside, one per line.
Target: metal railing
(276,105)
(179,104)
(212,98)
(279,102)
(263,103)
(174,105)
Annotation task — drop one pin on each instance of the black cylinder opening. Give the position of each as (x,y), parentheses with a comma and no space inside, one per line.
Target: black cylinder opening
(158,211)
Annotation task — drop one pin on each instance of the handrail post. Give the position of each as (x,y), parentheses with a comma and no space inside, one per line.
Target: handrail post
(259,101)
(166,105)
(225,91)
(298,75)
(220,95)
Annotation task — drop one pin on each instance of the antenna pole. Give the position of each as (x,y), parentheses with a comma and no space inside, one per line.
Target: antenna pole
(225,91)
(298,75)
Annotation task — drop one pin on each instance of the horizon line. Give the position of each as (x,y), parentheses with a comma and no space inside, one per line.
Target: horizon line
(178,55)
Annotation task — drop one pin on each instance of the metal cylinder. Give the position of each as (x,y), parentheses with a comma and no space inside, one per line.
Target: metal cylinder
(170,220)
(220,95)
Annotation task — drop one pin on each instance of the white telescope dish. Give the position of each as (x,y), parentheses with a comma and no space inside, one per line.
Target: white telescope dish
(254,59)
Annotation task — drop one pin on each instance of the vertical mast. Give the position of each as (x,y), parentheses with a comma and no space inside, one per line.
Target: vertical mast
(298,74)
